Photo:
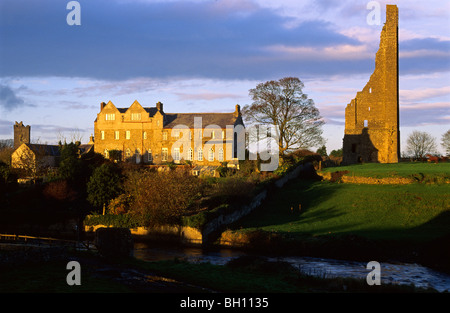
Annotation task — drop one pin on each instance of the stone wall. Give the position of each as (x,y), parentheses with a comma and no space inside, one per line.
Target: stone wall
(187,235)
(369,180)
(214,227)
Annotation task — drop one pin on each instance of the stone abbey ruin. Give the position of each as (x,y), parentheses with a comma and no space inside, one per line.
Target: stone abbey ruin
(372,118)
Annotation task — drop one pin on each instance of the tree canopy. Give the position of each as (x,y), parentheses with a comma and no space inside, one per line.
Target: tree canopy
(283,105)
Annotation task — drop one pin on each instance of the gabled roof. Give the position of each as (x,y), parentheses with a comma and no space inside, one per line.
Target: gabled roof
(86,148)
(219,119)
(48,150)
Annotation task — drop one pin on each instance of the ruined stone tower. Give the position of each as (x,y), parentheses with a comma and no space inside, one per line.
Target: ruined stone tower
(372,118)
(21,134)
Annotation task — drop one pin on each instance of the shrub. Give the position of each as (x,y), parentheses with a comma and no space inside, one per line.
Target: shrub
(160,198)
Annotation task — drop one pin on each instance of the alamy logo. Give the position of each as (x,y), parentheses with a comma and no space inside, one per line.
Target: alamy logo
(374,16)
(374,277)
(74,16)
(261,140)
(74,276)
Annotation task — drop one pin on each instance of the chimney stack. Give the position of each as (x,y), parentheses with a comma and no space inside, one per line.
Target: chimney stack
(159,106)
(102,105)
(237,111)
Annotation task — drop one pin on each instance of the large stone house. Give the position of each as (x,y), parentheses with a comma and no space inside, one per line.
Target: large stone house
(149,135)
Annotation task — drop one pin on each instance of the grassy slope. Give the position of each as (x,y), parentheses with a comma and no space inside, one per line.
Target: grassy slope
(416,212)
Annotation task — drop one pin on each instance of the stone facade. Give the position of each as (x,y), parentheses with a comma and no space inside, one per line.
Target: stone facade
(372,118)
(149,135)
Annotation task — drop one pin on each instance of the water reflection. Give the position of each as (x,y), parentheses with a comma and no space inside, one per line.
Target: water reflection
(400,273)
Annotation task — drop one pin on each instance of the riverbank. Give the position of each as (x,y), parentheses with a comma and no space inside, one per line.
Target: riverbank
(243,275)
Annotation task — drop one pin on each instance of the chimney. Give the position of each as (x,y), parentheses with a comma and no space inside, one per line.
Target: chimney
(237,111)
(102,105)
(159,106)
(91,140)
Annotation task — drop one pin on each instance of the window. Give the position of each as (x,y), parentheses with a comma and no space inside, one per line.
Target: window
(116,135)
(135,116)
(144,135)
(149,155)
(106,153)
(102,134)
(128,135)
(221,155)
(164,154)
(110,117)
(164,135)
(176,155)
(191,154)
(200,154)
(353,147)
(211,155)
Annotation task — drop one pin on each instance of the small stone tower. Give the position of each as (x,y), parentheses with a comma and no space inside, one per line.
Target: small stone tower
(21,134)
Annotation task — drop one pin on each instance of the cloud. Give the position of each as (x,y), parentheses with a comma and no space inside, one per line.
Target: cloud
(216,39)
(6,128)
(207,96)
(415,95)
(424,116)
(9,100)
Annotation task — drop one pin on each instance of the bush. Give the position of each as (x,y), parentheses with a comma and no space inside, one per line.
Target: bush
(159,198)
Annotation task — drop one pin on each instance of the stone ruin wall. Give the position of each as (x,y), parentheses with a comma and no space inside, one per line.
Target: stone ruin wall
(372,117)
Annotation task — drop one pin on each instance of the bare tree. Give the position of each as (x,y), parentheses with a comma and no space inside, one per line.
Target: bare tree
(446,142)
(283,105)
(420,143)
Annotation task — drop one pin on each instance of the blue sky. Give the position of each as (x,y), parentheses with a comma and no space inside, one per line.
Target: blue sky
(204,56)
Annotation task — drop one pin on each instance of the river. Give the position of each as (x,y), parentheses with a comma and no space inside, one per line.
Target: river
(395,273)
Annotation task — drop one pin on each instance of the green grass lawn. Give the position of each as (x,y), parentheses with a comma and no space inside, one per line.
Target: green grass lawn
(403,169)
(415,212)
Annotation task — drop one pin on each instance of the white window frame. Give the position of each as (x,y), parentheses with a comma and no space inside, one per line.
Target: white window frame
(128,135)
(110,117)
(164,154)
(102,135)
(116,135)
(176,155)
(200,154)
(211,155)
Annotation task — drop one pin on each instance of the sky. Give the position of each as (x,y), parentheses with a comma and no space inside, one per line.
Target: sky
(205,55)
